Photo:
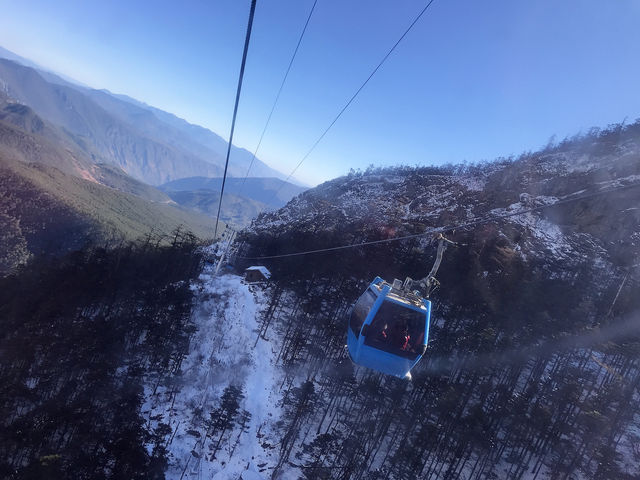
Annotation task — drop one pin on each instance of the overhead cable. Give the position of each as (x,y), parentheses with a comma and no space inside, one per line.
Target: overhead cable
(235,108)
(275,102)
(353,97)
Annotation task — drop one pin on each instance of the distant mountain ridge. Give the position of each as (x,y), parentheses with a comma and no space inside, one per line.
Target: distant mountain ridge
(151,145)
(237,211)
(29,138)
(97,132)
(179,133)
(272,192)
(240,158)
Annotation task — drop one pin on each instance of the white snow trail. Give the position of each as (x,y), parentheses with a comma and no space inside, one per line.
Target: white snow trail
(225,350)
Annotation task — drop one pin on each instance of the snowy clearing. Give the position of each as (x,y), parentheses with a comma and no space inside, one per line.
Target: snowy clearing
(224,351)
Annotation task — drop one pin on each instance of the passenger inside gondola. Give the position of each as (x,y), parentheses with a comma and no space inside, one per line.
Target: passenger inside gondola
(383,334)
(400,337)
(393,329)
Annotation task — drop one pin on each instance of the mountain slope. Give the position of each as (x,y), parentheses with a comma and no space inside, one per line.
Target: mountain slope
(193,138)
(54,198)
(44,210)
(122,130)
(393,202)
(29,138)
(98,133)
(532,367)
(32,139)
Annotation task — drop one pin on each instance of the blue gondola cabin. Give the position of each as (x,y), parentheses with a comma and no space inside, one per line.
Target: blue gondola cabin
(388,329)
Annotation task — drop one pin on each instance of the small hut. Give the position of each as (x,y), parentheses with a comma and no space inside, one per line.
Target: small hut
(257,274)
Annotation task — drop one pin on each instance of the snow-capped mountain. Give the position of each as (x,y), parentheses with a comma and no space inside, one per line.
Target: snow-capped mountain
(136,363)
(531,370)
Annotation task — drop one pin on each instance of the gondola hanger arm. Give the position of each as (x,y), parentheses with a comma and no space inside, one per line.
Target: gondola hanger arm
(429,283)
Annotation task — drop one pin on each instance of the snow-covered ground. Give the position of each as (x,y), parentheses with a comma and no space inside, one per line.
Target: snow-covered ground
(225,350)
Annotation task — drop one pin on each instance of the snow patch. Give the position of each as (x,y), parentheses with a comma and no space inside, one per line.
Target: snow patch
(225,350)
(473,184)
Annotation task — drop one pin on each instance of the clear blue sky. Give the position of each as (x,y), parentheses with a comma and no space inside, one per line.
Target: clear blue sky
(473,80)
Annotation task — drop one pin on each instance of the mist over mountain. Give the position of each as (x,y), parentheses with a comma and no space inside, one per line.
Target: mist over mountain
(272,192)
(236,211)
(149,144)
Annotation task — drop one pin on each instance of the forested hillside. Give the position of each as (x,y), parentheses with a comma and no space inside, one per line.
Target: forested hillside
(44,211)
(80,334)
(55,199)
(532,369)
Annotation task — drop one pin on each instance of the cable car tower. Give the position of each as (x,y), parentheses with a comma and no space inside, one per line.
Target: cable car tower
(389,324)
